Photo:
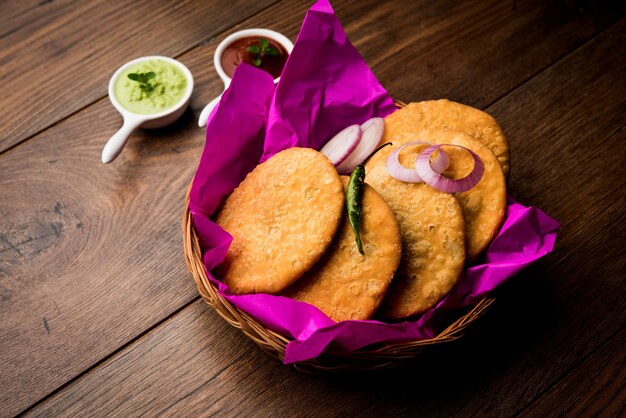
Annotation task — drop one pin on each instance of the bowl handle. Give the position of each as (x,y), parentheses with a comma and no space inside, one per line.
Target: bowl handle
(115,145)
(206,112)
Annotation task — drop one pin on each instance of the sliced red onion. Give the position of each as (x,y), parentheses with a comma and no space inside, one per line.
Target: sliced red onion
(372,130)
(342,144)
(439,182)
(410,175)
(441,162)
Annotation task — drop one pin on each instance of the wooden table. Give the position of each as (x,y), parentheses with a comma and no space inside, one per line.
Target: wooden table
(98,314)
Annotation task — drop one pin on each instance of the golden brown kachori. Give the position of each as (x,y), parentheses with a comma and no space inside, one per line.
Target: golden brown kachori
(282,217)
(484,204)
(433,238)
(445,114)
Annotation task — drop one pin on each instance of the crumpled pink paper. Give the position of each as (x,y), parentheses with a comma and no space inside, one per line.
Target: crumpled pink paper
(324,87)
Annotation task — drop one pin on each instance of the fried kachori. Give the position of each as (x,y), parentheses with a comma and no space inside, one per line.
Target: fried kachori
(282,217)
(433,238)
(445,114)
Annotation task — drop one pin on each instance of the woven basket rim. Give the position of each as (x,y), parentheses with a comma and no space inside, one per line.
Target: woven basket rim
(368,358)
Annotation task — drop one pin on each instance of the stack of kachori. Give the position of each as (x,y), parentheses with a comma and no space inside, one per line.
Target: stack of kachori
(483,205)
(346,284)
(292,237)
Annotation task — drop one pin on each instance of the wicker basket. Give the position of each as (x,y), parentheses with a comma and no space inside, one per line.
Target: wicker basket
(369,358)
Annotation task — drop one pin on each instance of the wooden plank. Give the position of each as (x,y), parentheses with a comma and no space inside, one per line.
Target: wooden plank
(16,15)
(154,157)
(549,318)
(224,358)
(596,388)
(62,60)
(70,37)
(471,51)
(90,255)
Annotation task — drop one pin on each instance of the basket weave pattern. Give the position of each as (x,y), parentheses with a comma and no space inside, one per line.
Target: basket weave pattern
(368,358)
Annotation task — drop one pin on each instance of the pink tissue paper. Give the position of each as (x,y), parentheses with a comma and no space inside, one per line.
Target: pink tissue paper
(326,86)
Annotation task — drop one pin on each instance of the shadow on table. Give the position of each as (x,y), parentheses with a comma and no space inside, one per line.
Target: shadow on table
(166,140)
(492,346)
(149,149)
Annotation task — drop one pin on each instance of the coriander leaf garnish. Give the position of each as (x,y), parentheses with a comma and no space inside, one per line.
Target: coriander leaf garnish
(261,50)
(144,80)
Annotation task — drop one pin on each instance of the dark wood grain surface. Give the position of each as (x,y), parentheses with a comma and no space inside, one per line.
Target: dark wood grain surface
(71,49)
(594,388)
(98,315)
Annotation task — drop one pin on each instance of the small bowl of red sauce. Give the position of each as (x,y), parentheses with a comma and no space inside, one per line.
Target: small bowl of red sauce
(265,49)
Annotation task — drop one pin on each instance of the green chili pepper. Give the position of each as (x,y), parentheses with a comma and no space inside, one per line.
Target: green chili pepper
(353,197)
(353,202)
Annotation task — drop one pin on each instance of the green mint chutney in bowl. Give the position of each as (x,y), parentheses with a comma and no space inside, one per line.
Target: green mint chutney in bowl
(149,92)
(168,87)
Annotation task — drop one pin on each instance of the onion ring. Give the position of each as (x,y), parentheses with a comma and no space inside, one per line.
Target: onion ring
(410,175)
(435,180)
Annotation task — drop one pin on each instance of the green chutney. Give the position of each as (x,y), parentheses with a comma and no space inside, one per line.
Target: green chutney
(170,86)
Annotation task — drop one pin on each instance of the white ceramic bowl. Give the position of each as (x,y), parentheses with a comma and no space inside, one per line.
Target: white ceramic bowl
(217,61)
(132,120)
